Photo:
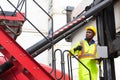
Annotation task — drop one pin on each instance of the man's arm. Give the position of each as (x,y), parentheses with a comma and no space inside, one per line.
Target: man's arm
(76,48)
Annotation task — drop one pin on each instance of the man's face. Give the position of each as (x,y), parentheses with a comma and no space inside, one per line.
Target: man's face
(89,34)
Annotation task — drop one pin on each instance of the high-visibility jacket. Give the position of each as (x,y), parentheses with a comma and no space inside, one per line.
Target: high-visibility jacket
(86,56)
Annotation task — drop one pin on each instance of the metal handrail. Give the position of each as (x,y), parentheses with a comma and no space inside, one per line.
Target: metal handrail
(52,44)
(29,22)
(69,67)
(62,64)
(79,62)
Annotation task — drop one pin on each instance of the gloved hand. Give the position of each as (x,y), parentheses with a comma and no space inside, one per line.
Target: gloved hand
(78,48)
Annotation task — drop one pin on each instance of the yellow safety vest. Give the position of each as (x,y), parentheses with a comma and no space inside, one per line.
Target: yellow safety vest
(86,56)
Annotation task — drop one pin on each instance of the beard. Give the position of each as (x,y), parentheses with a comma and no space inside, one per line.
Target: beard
(89,38)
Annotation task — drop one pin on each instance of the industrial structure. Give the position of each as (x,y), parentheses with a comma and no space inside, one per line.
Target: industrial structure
(19,64)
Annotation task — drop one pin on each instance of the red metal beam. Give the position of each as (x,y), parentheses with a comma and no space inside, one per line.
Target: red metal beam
(23,57)
(17,17)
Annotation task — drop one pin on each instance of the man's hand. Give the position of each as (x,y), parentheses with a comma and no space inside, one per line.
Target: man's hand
(78,48)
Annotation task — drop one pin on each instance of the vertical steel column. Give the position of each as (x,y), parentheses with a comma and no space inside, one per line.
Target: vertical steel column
(106,34)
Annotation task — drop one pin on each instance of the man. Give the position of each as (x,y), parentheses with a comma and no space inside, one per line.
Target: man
(86,52)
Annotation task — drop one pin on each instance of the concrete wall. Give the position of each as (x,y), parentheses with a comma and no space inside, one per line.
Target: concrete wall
(117,15)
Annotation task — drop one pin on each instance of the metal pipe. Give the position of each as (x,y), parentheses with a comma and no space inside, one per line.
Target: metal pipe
(62,65)
(44,44)
(48,45)
(4,67)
